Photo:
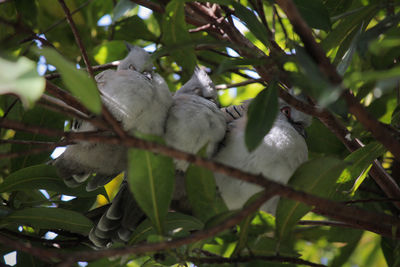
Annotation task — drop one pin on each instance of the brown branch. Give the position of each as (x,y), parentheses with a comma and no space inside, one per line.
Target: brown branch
(77,37)
(102,67)
(378,223)
(383,134)
(35,150)
(244,259)
(327,223)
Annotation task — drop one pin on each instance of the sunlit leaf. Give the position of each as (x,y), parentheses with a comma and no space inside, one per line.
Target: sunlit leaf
(21,78)
(151,178)
(77,81)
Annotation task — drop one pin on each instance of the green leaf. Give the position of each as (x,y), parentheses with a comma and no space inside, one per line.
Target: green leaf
(123,30)
(201,191)
(43,177)
(121,8)
(50,218)
(21,78)
(268,246)
(314,13)
(261,116)
(359,163)
(174,222)
(317,176)
(151,178)
(252,23)
(77,81)
(109,51)
(352,238)
(175,31)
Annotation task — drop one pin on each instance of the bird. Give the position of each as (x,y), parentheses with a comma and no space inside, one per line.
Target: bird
(194,120)
(282,150)
(139,99)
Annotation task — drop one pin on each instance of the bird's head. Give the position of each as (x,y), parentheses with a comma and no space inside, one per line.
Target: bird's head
(137,59)
(296,118)
(200,84)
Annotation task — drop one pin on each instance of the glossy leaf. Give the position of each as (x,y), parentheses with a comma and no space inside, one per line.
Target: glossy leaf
(20,78)
(43,177)
(201,191)
(77,81)
(314,13)
(174,223)
(50,218)
(151,178)
(261,116)
(121,8)
(359,163)
(317,176)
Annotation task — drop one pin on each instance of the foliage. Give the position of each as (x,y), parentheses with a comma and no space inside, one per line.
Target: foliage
(359,37)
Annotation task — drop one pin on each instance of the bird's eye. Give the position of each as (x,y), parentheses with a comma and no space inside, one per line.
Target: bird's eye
(131,67)
(286,111)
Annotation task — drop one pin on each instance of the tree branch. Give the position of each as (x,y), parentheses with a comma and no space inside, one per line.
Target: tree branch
(378,223)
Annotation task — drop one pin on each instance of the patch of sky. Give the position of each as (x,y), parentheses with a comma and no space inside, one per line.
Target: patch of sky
(144,12)
(239,25)
(57,152)
(11,258)
(232,52)
(150,48)
(252,74)
(104,21)
(82,263)
(44,193)
(50,235)
(67,198)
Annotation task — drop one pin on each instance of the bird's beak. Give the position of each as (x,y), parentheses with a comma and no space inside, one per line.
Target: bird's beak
(299,128)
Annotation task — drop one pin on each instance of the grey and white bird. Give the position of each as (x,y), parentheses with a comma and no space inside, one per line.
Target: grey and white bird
(280,153)
(137,97)
(194,120)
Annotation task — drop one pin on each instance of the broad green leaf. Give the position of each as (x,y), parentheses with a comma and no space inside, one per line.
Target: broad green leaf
(77,81)
(21,78)
(50,218)
(352,239)
(151,179)
(347,25)
(345,61)
(313,81)
(268,246)
(174,223)
(261,116)
(359,164)
(322,141)
(121,9)
(175,31)
(43,177)
(229,64)
(391,251)
(123,30)
(317,176)
(373,33)
(201,192)
(252,23)
(314,13)
(109,51)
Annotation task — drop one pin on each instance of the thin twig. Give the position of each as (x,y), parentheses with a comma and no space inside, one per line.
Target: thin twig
(77,38)
(35,150)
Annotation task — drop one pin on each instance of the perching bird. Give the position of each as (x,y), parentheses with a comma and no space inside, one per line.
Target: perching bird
(282,150)
(194,120)
(137,97)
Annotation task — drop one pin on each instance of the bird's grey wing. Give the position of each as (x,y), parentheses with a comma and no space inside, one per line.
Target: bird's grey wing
(193,123)
(119,220)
